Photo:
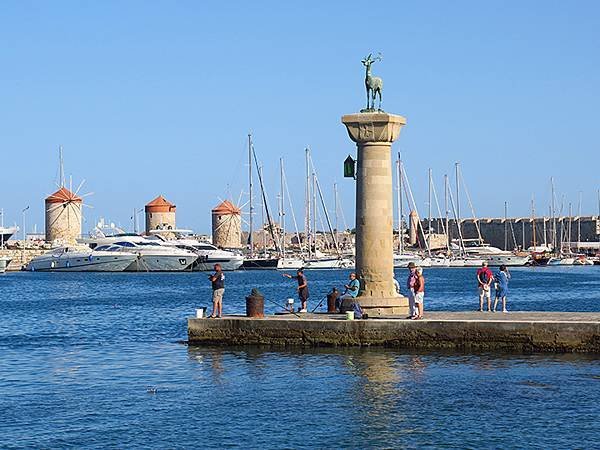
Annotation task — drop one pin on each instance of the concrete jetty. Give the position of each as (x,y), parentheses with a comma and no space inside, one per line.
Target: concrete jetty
(562,332)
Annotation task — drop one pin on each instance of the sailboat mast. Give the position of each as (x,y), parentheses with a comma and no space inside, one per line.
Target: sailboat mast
(458,224)
(447,211)
(314,204)
(259,172)
(282,208)
(429,214)
(579,221)
(307,230)
(251,204)
(399,204)
(335,206)
(505,226)
(335,241)
(553,211)
(569,228)
(533,223)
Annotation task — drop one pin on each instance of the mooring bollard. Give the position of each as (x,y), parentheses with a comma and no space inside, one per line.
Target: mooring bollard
(255,304)
(331,298)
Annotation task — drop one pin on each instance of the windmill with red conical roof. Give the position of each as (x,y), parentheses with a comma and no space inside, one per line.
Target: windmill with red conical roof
(63,211)
(160,214)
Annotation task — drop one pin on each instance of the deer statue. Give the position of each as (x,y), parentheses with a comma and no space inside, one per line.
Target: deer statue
(374,85)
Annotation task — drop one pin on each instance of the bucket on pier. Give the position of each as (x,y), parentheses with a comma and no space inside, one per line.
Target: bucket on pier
(201,312)
(349,315)
(255,304)
(290,304)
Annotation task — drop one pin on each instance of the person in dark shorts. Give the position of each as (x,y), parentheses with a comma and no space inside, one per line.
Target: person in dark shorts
(302,288)
(218,287)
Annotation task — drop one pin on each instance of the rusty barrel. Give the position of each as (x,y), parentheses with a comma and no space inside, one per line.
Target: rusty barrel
(255,304)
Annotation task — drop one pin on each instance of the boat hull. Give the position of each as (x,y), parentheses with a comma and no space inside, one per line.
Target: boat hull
(260,264)
(329,263)
(110,263)
(206,263)
(508,260)
(290,264)
(161,263)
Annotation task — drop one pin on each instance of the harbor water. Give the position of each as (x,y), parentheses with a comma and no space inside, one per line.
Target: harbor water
(98,361)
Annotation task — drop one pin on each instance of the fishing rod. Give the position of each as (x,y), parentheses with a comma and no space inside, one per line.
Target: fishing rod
(320,303)
(282,307)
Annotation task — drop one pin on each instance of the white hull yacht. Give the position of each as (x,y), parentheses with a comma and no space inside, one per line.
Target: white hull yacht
(401,260)
(507,259)
(290,263)
(152,256)
(208,254)
(80,259)
(329,263)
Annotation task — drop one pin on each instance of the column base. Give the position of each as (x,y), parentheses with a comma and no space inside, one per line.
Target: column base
(376,307)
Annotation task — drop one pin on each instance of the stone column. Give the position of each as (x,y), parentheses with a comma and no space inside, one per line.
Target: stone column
(374,133)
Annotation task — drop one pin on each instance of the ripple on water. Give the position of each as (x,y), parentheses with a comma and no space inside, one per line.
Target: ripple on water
(80,351)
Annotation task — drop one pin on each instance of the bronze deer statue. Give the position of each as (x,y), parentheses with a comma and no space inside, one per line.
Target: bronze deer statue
(374,85)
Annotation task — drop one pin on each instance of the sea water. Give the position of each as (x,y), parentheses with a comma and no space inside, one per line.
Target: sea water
(98,361)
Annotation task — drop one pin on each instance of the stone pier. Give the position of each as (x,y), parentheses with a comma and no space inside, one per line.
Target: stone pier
(374,133)
(462,331)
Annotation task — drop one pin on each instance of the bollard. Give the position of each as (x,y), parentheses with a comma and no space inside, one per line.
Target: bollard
(331,298)
(255,304)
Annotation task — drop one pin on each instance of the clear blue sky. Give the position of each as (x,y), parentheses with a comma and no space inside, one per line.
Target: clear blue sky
(151,97)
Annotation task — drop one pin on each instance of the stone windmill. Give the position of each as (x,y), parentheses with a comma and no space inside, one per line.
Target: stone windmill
(63,216)
(227,225)
(64,211)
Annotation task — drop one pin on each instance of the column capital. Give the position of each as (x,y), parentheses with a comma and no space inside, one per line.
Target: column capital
(373,127)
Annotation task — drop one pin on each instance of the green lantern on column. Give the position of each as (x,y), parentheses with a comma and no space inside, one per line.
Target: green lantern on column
(349,167)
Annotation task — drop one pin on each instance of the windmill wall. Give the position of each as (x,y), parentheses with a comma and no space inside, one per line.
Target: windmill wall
(227,230)
(63,221)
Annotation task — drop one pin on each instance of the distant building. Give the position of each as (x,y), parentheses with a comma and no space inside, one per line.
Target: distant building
(63,216)
(160,214)
(227,225)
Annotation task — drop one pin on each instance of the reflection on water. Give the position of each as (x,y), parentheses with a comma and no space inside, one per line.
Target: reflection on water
(354,398)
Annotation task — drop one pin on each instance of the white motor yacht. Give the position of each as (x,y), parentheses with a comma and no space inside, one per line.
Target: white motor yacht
(401,260)
(561,261)
(287,263)
(152,256)
(80,259)
(329,263)
(508,259)
(208,254)
(478,251)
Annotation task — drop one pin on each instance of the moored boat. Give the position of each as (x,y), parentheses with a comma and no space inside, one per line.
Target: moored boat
(80,259)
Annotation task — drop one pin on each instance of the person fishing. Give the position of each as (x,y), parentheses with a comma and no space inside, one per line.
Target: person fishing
(218,287)
(302,289)
(351,291)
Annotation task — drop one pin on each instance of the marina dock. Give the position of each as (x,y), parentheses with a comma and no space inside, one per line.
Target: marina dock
(561,332)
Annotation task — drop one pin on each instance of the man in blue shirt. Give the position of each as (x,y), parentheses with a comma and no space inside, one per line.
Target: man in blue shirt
(351,292)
